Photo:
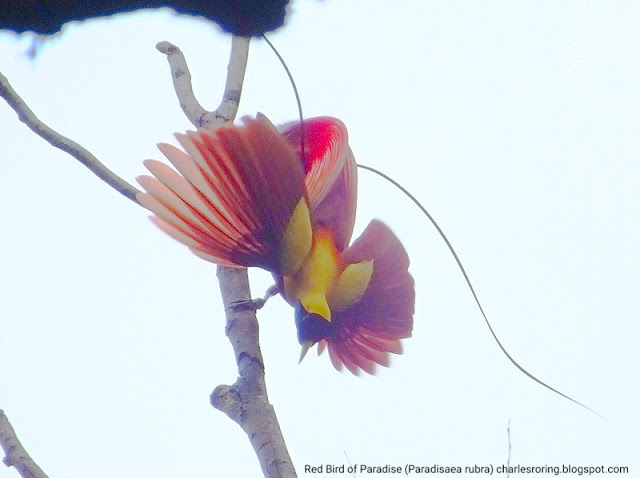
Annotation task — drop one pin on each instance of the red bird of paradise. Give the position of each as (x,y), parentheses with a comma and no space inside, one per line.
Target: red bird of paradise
(252,196)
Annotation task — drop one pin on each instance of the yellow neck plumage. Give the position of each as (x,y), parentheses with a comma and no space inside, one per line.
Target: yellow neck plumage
(316,276)
(322,285)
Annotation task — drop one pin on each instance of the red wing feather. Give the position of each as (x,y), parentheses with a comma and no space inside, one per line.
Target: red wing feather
(331,175)
(234,196)
(369,330)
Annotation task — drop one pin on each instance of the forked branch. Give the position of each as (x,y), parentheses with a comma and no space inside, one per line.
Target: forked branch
(200,117)
(246,401)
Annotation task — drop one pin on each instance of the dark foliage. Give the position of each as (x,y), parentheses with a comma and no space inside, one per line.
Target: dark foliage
(239,17)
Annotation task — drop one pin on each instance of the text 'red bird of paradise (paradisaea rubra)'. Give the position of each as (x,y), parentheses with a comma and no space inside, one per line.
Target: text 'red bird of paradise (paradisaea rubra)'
(252,196)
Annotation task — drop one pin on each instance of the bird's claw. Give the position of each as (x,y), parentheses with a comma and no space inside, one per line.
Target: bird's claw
(253,304)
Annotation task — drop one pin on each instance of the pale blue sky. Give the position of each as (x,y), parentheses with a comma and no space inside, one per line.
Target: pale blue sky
(515,123)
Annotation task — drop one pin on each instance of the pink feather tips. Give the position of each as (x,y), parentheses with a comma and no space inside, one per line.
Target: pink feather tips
(227,201)
(372,328)
(361,353)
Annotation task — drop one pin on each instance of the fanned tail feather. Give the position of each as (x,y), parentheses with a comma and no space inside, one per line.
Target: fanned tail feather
(367,332)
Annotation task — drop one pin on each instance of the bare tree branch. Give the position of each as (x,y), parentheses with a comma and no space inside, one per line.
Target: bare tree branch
(235,77)
(200,117)
(15,454)
(63,143)
(182,83)
(246,401)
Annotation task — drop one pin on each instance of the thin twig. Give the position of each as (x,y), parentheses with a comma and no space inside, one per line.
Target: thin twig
(15,454)
(246,401)
(345,451)
(228,107)
(182,83)
(63,143)
(509,442)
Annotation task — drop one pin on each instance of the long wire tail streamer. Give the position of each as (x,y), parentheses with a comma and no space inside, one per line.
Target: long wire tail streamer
(295,91)
(473,292)
(440,231)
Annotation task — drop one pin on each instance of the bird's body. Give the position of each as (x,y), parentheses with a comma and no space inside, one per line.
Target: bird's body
(253,196)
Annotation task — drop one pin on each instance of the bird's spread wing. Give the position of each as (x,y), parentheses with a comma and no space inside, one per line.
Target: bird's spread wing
(371,327)
(330,174)
(238,197)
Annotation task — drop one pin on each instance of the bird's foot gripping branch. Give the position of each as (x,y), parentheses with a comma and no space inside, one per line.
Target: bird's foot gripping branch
(255,304)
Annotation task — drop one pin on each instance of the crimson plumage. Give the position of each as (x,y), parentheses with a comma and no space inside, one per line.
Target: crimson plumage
(251,196)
